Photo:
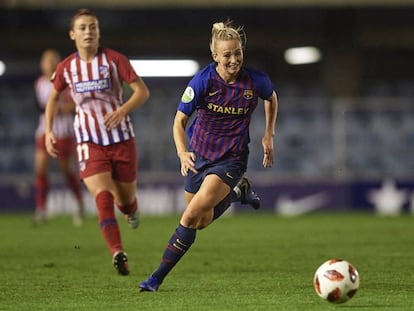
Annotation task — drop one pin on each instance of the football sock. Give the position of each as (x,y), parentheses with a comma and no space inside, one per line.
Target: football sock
(75,186)
(41,189)
(129,208)
(220,208)
(107,221)
(179,243)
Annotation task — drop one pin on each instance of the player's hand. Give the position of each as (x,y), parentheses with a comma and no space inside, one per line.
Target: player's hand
(113,119)
(268,150)
(50,142)
(187,162)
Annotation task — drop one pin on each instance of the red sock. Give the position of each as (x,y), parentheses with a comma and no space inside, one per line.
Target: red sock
(75,186)
(130,208)
(107,221)
(41,190)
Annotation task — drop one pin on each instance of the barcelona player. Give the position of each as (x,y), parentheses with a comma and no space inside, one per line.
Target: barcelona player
(224,94)
(106,147)
(65,141)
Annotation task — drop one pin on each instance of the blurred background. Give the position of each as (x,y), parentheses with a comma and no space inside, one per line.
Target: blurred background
(345,129)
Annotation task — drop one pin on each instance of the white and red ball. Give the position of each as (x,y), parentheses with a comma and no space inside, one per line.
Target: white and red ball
(336,281)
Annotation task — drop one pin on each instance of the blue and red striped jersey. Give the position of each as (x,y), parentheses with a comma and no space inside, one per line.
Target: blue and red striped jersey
(221,128)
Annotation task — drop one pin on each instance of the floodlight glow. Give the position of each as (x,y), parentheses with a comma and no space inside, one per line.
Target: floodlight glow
(165,67)
(2,68)
(302,55)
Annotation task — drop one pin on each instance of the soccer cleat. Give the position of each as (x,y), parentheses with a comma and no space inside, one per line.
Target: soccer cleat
(120,262)
(150,285)
(39,217)
(133,219)
(248,195)
(79,216)
(77,220)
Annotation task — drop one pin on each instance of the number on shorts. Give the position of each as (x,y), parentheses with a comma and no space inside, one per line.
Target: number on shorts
(83,152)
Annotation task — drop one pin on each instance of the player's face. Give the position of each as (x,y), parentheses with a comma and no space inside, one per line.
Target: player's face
(85,32)
(229,57)
(48,62)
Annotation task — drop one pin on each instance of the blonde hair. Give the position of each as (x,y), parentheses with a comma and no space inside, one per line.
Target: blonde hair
(226,31)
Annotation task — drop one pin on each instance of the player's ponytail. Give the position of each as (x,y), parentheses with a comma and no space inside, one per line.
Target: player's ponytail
(226,31)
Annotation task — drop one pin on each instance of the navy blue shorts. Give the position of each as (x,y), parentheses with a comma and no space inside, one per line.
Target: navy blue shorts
(229,170)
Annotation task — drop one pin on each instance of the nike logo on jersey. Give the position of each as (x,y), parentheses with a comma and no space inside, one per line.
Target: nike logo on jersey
(229,175)
(212,93)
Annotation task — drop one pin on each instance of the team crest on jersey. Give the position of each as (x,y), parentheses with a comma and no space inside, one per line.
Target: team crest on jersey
(248,94)
(104,70)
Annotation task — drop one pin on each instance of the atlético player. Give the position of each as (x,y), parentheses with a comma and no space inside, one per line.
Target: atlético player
(224,94)
(106,148)
(65,141)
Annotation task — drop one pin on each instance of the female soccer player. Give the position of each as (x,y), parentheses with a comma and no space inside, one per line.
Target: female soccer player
(104,134)
(224,94)
(63,129)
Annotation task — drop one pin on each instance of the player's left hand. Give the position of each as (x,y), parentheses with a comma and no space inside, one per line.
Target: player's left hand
(50,142)
(268,152)
(187,160)
(112,119)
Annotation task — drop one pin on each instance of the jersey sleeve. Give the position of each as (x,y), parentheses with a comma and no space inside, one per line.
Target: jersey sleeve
(58,78)
(264,85)
(190,100)
(125,69)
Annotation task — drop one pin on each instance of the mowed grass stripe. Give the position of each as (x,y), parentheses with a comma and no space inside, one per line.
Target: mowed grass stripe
(242,262)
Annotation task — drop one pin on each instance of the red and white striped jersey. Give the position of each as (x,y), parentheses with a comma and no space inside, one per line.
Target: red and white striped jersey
(96,88)
(63,122)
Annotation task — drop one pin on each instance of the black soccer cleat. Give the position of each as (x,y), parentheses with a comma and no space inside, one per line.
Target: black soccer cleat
(120,262)
(248,195)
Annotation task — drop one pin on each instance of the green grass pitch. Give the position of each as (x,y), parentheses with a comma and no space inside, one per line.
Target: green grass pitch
(242,262)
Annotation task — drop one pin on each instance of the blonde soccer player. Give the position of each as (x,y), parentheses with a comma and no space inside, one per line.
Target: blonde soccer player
(223,95)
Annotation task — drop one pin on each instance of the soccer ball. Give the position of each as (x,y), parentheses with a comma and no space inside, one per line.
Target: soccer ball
(336,281)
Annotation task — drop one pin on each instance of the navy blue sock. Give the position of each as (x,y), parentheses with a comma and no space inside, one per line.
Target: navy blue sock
(179,243)
(220,208)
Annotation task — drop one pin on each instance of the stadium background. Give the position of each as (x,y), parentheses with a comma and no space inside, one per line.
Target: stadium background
(345,132)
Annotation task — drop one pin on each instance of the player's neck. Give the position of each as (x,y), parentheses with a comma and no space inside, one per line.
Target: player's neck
(229,79)
(87,55)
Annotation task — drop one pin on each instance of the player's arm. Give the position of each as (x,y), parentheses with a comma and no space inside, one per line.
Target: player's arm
(270,107)
(50,112)
(67,105)
(186,158)
(140,94)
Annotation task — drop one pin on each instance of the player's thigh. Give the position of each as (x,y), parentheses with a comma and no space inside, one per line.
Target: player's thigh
(100,182)
(212,191)
(65,164)
(188,196)
(41,157)
(125,192)
(124,162)
(41,161)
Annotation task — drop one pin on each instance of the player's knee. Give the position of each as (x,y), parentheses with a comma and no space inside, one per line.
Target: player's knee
(197,218)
